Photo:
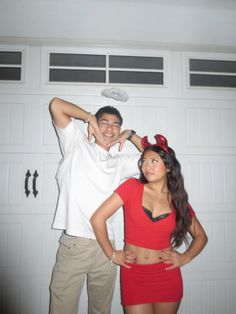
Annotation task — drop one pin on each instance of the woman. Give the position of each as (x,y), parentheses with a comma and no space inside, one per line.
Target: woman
(158,219)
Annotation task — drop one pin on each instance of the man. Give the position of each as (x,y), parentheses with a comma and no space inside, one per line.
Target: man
(87,175)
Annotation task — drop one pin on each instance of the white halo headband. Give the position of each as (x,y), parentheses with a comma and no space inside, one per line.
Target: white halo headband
(115,93)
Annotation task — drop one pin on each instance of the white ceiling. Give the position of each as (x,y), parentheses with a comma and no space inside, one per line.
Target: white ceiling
(215,4)
(209,24)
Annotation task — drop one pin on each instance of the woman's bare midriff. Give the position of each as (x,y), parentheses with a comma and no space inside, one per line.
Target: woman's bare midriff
(143,255)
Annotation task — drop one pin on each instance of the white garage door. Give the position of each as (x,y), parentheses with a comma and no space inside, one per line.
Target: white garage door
(166,95)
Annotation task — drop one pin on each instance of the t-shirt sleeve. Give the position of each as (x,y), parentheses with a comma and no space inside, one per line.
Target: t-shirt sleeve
(191,211)
(130,166)
(68,136)
(124,189)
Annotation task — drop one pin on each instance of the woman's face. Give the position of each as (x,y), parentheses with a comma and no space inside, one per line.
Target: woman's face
(153,168)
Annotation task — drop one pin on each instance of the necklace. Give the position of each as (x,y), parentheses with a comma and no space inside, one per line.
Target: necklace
(104,157)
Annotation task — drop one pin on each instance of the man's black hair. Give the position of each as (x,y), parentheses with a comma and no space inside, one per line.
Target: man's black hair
(109,110)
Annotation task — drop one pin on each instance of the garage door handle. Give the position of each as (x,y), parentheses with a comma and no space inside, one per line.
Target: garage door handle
(27,175)
(35,175)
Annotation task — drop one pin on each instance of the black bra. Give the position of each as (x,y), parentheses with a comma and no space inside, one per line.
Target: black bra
(154,219)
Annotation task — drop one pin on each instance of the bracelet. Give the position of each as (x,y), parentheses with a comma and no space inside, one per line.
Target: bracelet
(132,132)
(112,257)
(89,118)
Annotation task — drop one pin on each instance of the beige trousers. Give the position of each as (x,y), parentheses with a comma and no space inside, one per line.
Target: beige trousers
(79,259)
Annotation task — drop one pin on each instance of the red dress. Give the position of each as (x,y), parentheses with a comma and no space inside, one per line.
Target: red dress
(149,283)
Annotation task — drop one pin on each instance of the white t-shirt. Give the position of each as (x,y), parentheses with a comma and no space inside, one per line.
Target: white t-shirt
(87,175)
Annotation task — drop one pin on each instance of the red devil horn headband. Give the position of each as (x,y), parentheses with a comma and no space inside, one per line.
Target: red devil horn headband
(145,142)
(161,142)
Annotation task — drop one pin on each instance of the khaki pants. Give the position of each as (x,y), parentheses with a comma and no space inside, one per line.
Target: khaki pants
(77,259)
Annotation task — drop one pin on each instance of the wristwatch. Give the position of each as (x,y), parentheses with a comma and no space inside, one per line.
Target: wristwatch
(132,132)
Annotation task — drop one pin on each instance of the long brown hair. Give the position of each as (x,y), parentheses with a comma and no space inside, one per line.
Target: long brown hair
(179,196)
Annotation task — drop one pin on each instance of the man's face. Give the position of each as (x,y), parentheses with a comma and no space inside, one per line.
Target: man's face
(109,126)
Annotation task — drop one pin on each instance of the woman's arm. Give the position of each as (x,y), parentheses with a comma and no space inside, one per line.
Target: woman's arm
(98,222)
(199,240)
